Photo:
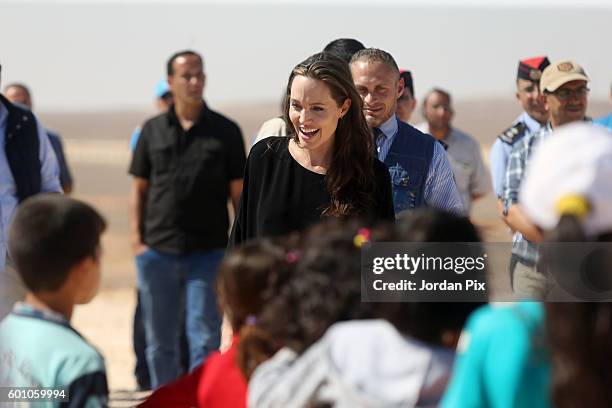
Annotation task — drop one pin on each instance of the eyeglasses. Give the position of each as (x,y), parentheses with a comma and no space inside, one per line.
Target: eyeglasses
(566,94)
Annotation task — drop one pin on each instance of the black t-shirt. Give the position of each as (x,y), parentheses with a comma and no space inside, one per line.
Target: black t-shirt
(189,175)
(281,196)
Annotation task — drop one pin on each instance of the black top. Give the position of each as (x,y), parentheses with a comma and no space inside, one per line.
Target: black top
(189,175)
(281,196)
(21,147)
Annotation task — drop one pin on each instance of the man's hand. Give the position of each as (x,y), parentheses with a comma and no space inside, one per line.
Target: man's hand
(138,247)
(138,195)
(518,221)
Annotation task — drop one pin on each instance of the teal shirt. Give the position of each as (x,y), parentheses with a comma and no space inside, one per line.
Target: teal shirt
(502,360)
(605,121)
(41,349)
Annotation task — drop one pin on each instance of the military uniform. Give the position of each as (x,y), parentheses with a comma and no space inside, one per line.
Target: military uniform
(502,147)
(529,69)
(527,280)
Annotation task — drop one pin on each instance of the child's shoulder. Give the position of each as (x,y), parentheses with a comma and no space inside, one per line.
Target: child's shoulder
(57,347)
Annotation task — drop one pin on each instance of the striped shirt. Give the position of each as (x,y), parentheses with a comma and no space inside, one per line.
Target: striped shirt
(517,164)
(441,190)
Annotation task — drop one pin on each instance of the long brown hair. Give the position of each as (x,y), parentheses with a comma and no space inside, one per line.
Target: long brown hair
(248,277)
(580,334)
(350,177)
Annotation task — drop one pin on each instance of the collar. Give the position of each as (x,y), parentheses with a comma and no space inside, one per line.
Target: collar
(532,124)
(26,310)
(586,119)
(389,128)
(424,127)
(9,107)
(203,117)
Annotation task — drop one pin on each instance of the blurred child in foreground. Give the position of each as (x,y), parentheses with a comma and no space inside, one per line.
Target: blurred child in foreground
(55,243)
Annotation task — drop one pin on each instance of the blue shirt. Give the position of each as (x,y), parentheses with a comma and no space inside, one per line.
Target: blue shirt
(517,165)
(502,360)
(49,172)
(39,348)
(441,190)
(605,121)
(134,139)
(58,149)
(500,152)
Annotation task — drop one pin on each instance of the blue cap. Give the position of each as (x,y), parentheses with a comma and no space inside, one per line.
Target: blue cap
(161,88)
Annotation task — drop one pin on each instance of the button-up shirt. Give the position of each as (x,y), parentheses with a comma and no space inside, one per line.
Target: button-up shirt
(441,190)
(517,164)
(500,152)
(49,172)
(189,174)
(466,161)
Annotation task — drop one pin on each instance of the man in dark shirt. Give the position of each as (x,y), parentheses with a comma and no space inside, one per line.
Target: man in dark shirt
(187,163)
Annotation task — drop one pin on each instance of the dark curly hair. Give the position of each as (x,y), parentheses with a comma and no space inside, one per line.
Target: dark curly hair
(324,288)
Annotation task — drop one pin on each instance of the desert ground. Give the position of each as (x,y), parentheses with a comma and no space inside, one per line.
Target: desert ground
(96,145)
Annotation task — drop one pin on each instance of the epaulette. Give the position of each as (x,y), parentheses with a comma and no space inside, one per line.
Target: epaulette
(444,144)
(511,134)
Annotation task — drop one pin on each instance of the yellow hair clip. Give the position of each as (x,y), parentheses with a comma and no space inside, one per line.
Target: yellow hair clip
(573,204)
(363,236)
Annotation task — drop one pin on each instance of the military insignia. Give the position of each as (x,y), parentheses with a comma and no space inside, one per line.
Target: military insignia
(565,67)
(513,133)
(535,74)
(444,144)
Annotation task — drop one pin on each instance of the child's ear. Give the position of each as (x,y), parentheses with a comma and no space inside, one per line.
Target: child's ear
(86,274)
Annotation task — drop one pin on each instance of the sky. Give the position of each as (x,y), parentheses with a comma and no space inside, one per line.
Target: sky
(107,55)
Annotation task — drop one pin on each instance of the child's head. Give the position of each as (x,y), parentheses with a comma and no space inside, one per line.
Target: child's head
(578,335)
(324,288)
(247,277)
(55,241)
(431,225)
(433,322)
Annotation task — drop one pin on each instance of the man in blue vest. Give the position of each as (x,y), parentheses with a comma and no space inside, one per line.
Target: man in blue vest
(420,170)
(27,167)
(20,94)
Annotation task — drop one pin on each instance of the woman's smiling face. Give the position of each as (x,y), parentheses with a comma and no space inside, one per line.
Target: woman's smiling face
(314,113)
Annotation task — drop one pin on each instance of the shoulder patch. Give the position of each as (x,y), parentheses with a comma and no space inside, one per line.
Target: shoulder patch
(513,133)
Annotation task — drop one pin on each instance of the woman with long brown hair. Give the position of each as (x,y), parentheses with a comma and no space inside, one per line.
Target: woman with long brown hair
(327,167)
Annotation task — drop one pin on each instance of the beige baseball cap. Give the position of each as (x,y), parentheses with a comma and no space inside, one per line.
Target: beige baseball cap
(559,73)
